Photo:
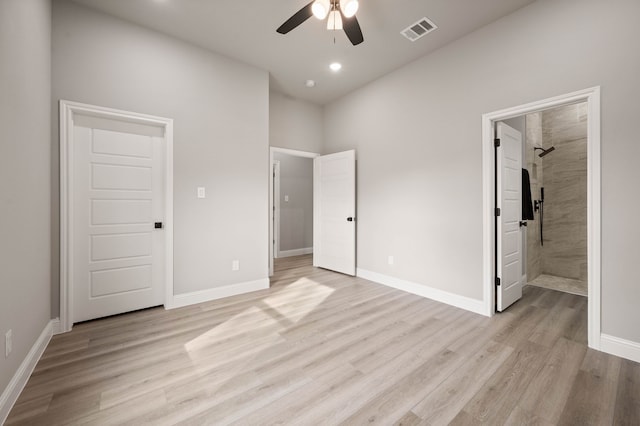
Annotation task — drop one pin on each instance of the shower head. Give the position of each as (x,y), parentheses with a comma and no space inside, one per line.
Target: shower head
(544,151)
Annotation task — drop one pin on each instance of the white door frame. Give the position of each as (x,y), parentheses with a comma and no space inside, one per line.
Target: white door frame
(276,208)
(272,151)
(592,97)
(68,111)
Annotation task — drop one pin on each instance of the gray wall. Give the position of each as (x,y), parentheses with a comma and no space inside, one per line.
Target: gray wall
(419,166)
(221,116)
(564,253)
(296,215)
(295,124)
(25,88)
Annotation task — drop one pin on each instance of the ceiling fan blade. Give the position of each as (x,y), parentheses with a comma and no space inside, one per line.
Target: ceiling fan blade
(298,18)
(352,29)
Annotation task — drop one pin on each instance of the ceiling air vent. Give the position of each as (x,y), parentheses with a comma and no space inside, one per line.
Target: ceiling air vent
(421,28)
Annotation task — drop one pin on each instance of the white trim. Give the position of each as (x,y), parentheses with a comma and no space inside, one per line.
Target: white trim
(462,302)
(186,299)
(276,208)
(295,153)
(19,380)
(592,97)
(295,252)
(68,110)
(56,326)
(620,347)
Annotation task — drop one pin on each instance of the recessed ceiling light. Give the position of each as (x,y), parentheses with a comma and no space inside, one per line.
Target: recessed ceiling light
(336,66)
(310,83)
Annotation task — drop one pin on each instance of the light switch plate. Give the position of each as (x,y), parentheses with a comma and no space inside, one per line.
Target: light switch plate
(286,198)
(201,193)
(235,265)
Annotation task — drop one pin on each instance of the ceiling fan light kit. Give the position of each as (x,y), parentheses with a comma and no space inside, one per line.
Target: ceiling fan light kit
(341,15)
(321,8)
(335,21)
(349,7)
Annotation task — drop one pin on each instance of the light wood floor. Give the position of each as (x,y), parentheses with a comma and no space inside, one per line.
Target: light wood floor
(323,348)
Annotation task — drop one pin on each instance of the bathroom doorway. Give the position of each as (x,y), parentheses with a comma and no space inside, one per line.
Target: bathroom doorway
(494,248)
(554,189)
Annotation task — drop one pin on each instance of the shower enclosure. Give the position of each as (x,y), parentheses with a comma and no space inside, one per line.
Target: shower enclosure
(556,157)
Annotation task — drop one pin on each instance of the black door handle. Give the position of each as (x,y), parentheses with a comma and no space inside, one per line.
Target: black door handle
(349,219)
(523,223)
(157,225)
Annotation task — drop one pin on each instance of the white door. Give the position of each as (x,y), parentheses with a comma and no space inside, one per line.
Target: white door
(334,204)
(118,259)
(509,198)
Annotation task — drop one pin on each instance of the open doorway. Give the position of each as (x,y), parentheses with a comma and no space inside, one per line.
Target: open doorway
(554,207)
(586,107)
(291,204)
(333,215)
(293,201)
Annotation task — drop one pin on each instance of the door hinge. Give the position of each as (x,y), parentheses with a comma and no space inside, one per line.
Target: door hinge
(496,142)
(497,281)
(497,211)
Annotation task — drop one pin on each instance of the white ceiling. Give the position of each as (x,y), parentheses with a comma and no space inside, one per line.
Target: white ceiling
(246,30)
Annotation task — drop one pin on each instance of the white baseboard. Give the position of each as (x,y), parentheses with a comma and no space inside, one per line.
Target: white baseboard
(296,252)
(56,326)
(20,378)
(186,299)
(473,305)
(620,347)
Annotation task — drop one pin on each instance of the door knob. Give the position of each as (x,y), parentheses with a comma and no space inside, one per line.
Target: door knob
(349,219)
(157,225)
(523,223)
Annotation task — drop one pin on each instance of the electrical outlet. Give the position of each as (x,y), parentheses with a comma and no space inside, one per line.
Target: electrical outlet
(235,265)
(391,260)
(8,343)
(201,192)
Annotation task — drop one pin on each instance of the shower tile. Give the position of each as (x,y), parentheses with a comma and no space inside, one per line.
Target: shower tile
(565,210)
(566,285)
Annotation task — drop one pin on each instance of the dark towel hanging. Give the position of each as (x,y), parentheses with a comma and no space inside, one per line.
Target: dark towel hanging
(527,204)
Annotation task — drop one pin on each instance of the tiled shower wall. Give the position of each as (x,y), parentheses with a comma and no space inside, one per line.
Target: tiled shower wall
(563,174)
(565,180)
(533,163)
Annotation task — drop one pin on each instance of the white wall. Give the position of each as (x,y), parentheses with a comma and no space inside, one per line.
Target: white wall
(419,166)
(25,91)
(296,213)
(220,109)
(295,124)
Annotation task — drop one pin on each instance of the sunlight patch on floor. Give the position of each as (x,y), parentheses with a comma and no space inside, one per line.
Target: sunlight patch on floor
(299,299)
(259,327)
(250,318)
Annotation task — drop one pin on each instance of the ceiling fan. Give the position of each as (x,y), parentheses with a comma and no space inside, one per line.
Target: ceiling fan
(341,16)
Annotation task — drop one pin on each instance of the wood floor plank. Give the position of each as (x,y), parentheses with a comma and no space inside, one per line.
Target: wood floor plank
(445,402)
(500,394)
(319,348)
(409,419)
(548,392)
(592,396)
(627,411)
(521,417)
